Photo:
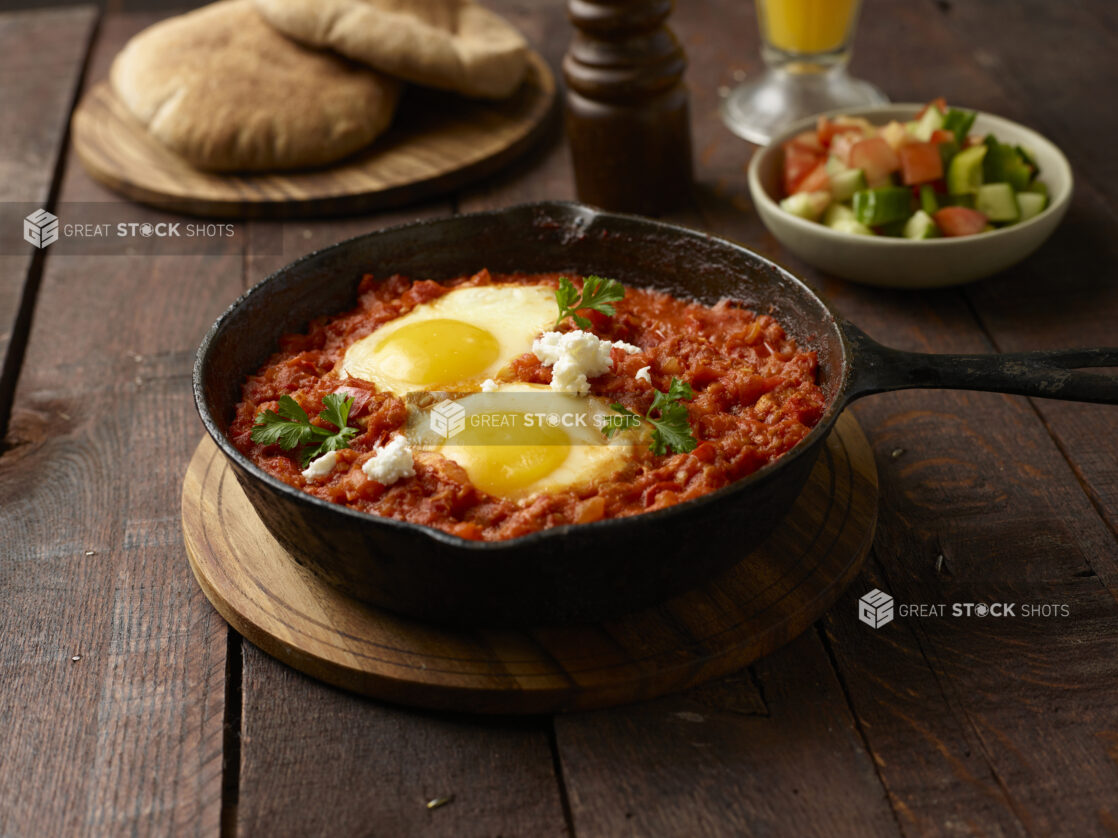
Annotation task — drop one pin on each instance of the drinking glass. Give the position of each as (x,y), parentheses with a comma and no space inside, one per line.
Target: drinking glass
(806,45)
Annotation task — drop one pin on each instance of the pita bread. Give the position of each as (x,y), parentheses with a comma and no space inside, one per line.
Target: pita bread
(227,92)
(450,44)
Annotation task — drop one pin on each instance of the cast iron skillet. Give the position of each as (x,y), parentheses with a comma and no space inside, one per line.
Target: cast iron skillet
(589,571)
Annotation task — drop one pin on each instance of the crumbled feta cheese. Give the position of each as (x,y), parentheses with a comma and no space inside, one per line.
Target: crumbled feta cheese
(644,374)
(575,357)
(489,386)
(626,347)
(390,462)
(321,466)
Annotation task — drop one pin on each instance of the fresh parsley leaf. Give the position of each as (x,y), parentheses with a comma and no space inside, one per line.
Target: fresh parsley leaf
(610,428)
(677,391)
(290,409)
(598,294)
(271,428)
(290,427)
(672,431)
(336,409)
(671,427)
(680,390)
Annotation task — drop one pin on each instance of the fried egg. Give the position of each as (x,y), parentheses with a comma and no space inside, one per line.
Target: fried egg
(523,439)
(454,342)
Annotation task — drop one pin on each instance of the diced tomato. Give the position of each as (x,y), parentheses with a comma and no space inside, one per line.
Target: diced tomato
(939,102)
(826,130)
(941,135)
(876,159)
(599,322)
(809,141)
(798,164)
(960,221)
(920,163)
(817,180)
(842,143)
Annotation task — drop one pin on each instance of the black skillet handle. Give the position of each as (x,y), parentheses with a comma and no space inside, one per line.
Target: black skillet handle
(1048,375)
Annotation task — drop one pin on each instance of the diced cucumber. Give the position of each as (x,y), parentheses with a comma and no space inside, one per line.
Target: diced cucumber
(1030,157)
(845,184)
(833,166)
(947,151)
(920,226)
(964,175)
(1039,187)
(850,225)
(837,212)
(1030,204)
(929,203)
(807,205)
(959,122)
(874,207)
(932,120)
(998,202)
(894,229)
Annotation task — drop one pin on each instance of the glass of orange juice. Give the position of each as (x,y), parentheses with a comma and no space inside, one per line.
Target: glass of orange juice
(806,45)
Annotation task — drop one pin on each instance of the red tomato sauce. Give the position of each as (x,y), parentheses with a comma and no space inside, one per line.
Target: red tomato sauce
(756,397)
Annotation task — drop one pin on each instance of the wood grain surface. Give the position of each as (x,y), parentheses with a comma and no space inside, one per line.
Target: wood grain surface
(437,142)
(927,726)
(771,596)
(113,664)
(42,55)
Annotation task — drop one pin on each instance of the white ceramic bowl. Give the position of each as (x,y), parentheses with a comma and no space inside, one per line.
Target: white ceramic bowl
(906,263)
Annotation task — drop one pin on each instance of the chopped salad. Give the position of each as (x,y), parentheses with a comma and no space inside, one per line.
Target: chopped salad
(922,179)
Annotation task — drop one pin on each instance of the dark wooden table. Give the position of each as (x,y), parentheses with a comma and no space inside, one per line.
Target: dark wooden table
(128,707)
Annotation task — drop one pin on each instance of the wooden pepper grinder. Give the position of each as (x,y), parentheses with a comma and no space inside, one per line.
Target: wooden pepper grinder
(626,106)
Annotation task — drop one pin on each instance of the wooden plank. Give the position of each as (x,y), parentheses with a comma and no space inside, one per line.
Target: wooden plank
(979,482)
(974,724)
(1065,295)
(306,747)
(42,54)
(689,765)
(351,766)
(113,665)
(653,768)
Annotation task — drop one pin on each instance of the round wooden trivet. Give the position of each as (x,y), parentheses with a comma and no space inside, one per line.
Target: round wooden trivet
(771,596)
(437,143)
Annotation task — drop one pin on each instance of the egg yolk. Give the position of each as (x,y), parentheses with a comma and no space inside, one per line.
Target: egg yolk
(504,456)
(433,352)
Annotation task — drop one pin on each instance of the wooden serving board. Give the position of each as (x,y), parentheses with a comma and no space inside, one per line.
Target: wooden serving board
(770,597)
(437,142)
